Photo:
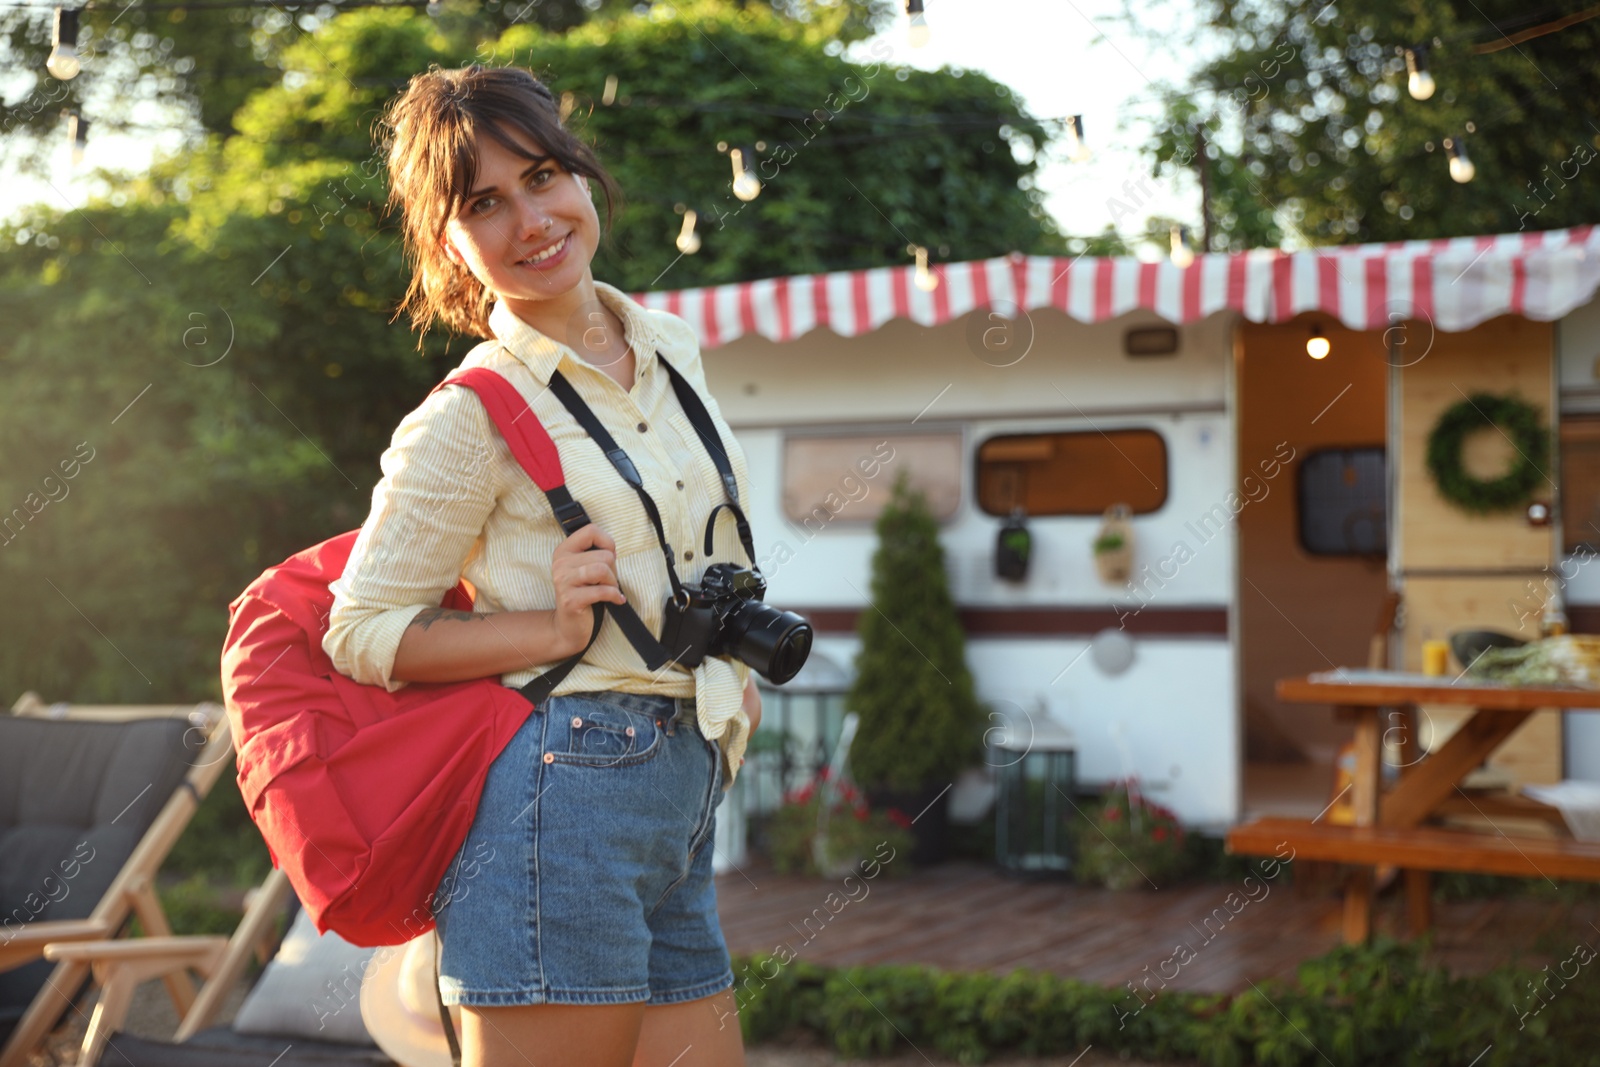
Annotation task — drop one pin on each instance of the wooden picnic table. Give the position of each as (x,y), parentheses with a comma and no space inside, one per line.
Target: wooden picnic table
(1388,825)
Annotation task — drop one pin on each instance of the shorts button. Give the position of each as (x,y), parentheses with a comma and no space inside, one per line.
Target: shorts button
(629,731)
(688,555)
(643,427)
(549,757)
(680,485)
(576,721)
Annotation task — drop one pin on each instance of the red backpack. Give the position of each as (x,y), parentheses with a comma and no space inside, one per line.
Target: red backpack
(365,796)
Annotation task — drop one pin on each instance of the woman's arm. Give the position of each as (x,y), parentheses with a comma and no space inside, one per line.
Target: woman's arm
(752,702)
(441,645)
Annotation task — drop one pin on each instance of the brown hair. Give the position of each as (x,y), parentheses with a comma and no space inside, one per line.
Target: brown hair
(429,135)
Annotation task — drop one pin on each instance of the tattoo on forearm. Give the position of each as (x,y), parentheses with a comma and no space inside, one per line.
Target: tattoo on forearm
(428,616)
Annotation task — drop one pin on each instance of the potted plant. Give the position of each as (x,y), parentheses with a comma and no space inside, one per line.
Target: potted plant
(921,720)
(801,840)
(1126,842)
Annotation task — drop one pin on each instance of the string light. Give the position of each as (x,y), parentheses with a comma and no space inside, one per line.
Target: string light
(1461,167)
(1078,149)
(1318,346)
(63,62)
(917,30)
(688,240)
(1418,81)
(77,135)
(746,186)
(924,278)
(1182,251)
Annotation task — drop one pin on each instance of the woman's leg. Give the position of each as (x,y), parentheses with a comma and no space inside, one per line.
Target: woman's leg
(552,1035)
(692,1033)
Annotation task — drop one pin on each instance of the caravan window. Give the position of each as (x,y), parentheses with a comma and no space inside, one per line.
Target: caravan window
(1077,473)
(1344,502)
(1580,482)
(847,477)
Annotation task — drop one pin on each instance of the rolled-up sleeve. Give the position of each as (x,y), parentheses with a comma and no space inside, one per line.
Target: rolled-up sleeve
(439,485)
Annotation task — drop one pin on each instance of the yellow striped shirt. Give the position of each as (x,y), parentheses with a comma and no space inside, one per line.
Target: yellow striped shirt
(453,502)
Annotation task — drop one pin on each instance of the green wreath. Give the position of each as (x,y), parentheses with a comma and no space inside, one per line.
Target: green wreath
(1519,420)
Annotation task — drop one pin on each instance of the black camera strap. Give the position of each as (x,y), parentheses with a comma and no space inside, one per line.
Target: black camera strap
(654,654)
(700,419)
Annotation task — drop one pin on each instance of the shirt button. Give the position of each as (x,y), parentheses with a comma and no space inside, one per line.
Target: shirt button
(680,485)
(643,427)
(688,555)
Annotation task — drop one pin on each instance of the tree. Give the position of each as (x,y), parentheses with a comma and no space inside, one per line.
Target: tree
(921,722)
(209,60)
(1311,136)
(219,332)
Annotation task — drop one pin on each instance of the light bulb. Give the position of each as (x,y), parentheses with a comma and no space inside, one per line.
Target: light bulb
(1318,346)
(1182,254)
(77,136)
(924,278)
(1461,168)
(1418,82)
(688,240)
(917,31)
(1079,151)
(745,185)
(63,62)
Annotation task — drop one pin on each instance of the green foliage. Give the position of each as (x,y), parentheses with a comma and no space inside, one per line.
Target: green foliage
(854,831)
(850,158)
(1381,1004)
(921,721)
(1126,842)
(1108,542)
(220,338)
(1312,135)
(209,62)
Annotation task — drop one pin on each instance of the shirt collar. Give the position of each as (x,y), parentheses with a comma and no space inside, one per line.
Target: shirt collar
(542,355)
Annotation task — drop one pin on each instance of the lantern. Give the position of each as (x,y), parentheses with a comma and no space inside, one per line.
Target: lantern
(1036,768)
(1012,547)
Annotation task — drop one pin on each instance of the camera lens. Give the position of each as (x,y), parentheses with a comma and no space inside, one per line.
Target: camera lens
(774,642)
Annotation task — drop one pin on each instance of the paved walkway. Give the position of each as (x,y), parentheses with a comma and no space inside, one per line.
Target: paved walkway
(1214,937)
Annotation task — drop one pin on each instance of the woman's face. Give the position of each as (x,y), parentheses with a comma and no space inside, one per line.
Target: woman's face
(527,230)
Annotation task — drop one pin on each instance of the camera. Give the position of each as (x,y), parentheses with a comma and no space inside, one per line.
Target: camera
(724,615)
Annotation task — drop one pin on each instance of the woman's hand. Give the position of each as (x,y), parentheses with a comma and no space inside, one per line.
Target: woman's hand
(752,703)
(584,572)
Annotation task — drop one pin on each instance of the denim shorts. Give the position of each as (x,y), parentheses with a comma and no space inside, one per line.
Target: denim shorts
(586,877)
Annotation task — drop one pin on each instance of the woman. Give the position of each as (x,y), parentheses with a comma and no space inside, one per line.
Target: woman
(585,929)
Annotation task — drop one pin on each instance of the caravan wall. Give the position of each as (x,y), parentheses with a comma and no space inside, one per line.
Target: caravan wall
(819,419)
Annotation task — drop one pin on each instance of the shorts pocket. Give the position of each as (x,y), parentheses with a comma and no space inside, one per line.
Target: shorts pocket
(593,733)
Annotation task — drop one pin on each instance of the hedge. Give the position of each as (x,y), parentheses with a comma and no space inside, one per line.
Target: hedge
(1379,1004)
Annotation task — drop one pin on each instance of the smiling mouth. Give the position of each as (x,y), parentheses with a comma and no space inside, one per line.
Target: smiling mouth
(549,252)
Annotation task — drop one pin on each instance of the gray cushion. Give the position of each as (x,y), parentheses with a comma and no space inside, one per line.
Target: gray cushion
(311,989)
(75,798)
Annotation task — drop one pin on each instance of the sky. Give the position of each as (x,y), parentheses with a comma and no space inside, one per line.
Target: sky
(1063,57)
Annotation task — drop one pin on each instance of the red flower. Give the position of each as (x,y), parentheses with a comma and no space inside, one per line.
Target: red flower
(825,773)
(900,818)
(1159,833)
(861,815)
(1113,813)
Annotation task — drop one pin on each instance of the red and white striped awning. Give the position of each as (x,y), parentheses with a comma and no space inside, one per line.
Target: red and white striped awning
(1456,283)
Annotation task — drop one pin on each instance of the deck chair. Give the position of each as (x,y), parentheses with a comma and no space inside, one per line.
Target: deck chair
(197,1042)
(92,799)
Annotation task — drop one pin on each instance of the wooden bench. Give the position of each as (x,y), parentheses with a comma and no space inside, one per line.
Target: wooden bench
(1416,850)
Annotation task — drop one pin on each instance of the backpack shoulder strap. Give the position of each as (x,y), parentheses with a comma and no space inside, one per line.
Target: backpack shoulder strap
(531,445)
